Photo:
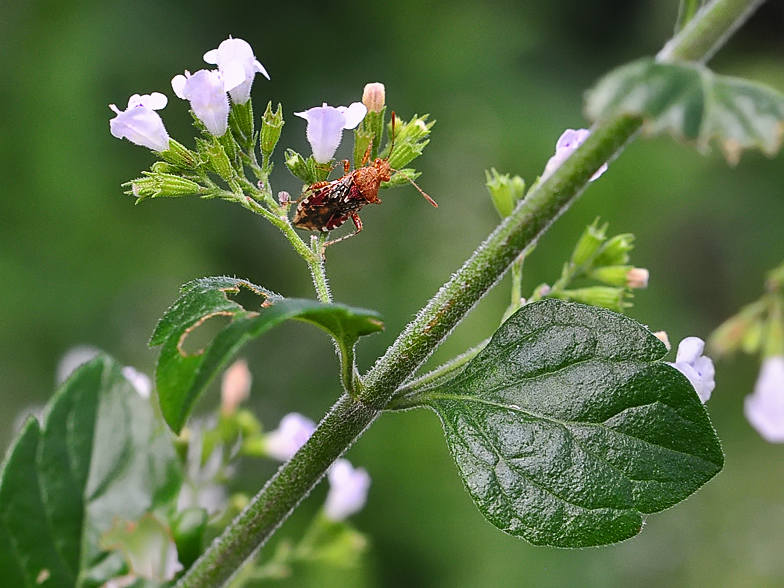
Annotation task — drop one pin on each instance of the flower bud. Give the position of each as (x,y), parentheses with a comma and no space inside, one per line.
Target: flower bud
(612,275)
(615,251)
(179,155)
(662,336)
(271,124)
(284,197)
(504,191)
(374,96)
(603,296)
(589,243)
(637,277)
(219,161)
(155,185)
(235,386)
(298,166)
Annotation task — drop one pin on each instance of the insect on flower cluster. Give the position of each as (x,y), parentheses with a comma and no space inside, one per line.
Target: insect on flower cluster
(221,107)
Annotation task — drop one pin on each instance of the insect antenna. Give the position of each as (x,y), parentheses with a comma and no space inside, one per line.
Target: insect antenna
(421,191)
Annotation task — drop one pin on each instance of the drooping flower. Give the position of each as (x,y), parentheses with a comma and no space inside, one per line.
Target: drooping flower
(569,140)
(764,408)
(238,66)
(292,433)
(139,123)
(326,124)
(697,367)
(348,488)
(205,91)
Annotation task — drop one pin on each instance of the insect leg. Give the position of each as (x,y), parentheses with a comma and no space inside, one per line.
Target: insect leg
(357,224)
(366,156)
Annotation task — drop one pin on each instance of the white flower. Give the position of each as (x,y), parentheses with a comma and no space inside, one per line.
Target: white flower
(139,380)
(569,140)
(764,408)
(326,124)
(139,123)
(695,366)
(348,488)
(206,93)
(238,66)
(292,433)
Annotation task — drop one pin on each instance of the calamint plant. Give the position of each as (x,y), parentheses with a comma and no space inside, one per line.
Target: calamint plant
(568,426)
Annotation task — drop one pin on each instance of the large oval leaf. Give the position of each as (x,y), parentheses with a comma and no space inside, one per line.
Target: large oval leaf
(100,454)
(691,102)
(567,428)
(182,377)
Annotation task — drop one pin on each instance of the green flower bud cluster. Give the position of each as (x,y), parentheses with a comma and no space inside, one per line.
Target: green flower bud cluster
(597,258)
(505,191)
(758,327)
(410,139)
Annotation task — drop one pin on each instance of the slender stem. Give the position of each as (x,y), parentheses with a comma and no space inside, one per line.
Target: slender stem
(349,418)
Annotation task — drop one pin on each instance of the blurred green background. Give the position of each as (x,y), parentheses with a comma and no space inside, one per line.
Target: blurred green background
(80,264)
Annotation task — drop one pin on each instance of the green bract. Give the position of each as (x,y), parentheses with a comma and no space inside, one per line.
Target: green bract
(567,428)
(181,378)
(101,455)
(691,102)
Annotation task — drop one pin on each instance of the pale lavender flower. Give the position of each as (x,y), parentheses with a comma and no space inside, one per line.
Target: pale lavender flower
(326,124)
(139,123)
(292,433)
(697,367)
(570,140)
(764,408)
(205,91)
(348,488)
(238,66)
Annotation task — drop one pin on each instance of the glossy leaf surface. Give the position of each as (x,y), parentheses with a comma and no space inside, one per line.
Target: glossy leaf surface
(182,377)
(100,454)
(567,428)
(690,102)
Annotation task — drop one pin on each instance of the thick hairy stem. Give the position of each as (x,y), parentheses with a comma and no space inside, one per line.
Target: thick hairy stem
(349,417)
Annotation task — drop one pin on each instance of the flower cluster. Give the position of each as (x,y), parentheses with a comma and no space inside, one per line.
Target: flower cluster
(206,90)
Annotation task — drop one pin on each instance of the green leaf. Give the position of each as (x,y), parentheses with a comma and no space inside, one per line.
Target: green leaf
(689,101)
(181,378)
(567,428)
(101,453)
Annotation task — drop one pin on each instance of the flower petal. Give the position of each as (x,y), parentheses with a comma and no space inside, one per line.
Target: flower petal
(690,349)
(354,115)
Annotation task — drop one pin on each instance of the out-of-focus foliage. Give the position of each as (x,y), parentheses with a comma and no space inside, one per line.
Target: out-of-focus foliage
(79,263)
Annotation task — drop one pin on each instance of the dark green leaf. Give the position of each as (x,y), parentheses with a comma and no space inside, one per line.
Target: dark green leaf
(181,378)
(100,454)
(567,428)
(689,101)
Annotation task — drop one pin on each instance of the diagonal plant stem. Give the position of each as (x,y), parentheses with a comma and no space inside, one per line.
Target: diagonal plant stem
(349,418)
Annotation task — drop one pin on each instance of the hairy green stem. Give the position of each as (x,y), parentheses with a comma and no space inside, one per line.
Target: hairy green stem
(349,417)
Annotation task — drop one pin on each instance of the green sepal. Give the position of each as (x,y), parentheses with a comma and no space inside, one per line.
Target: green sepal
(307,170)
(505,191)
(616,299)
(180,156)
(271,125)
(241,124)
(188,533)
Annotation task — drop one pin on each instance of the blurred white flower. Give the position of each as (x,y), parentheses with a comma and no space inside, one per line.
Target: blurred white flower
(764,408)
(139,380)
(139,123)
(292,433)
(326,124)
(567,143)
(72,359)
(348,488)
(235,386)
(205,91)
(695,366)
(238,66)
